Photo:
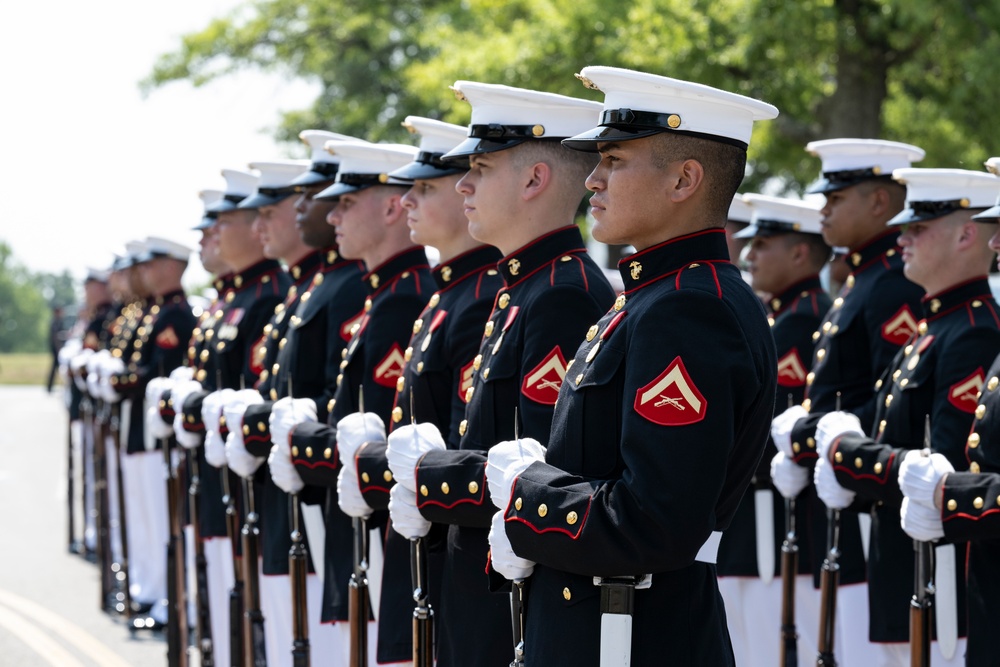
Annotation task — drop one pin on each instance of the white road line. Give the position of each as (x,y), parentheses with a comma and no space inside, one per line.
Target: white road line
(37,640)
(64,628)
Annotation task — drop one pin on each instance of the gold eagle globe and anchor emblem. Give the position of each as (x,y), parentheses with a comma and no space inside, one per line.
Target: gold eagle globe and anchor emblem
(635,269)
(514,265)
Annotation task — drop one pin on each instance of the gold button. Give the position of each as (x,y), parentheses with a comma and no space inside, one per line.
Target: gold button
(423,490)
(878,468)
(591,332)
(796,447)
(400,383)
(295,450)
(246,430)
(912,363)
(368,305)
(980,412)
(387,475)
(826,327)
(890,252)
(204,355)
(935,305)
(978,503)
(420,367)
(397,414)
(858,463)
(517,504)
(620,302)
(274,369)
(952,505)
(486,374)
(856,259)
(565,258)
(504,300)
(888,400)
(309,454)
(838,302)
(343,364)
(820,353)
(462,426)
(922,328)
(477,362)
(907,350)
(815,336)
(807,404)
(974,468)
(408,354)
(838,457)
(489,329)
(904,382)
(445,489)
(811,442)
(810,378)
(579,378)
(340,378)
(468,394)
(282,343)
(418,324)
(571,518)
(328,453)
(992,384)
(850,281)
(543,510)
(329,404)
(973,440)
(435,299)
(881,426)
(567,595)
(365,477)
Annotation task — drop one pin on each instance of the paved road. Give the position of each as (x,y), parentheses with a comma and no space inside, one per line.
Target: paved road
(49,613)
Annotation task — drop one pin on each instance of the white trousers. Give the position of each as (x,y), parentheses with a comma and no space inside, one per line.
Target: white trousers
(148,530)
(219,570)
(89,504)
(753,612)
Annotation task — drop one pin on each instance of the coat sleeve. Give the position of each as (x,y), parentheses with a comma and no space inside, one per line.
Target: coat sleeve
(970,507)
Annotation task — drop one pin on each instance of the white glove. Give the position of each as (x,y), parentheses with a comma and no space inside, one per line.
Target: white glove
(77,365)
(831,426)
(789,478)
(110,367)
(211,410)
(406,518)
(921,523)
(507,460)
(155,388)
(349,497)
(70,349)
(782,425)
(182,374)
(94,373)
(353,431)
(286,413)
(828,489)
(242,462)
(179,394)
(156,428)
(283,471)
(406,445)
(502,555)
(919,476)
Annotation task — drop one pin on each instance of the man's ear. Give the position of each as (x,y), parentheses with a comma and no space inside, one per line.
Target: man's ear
(536,179)
(688,177)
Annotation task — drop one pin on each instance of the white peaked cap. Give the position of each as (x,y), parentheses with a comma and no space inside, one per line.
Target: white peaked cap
(847,162)
(991,214)
(436,139)
(777,215)
(739,210)
(363,165)
(278,173)
(503,116)
(157,246)
(209,197)
(993,165)
(435,136)
(316,141)
(934,193)
(239,182)
(639,104)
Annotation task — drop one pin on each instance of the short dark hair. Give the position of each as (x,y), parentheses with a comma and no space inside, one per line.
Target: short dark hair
(819,251)
(573,166)
(724,164)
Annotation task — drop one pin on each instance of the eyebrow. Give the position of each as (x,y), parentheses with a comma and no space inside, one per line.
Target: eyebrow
(608,147)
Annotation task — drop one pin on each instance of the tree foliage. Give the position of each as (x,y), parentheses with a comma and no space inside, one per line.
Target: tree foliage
(919,71)
(24,316)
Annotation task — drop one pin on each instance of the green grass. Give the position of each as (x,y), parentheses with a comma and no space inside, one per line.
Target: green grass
(25,368)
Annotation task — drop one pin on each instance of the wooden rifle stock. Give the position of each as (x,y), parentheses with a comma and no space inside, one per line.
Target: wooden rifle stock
(829,580)
(789,568)
(253,618)
(236,593)
(297,570)
(423,615)
(357,597)
(71,543)
(203,623)
(176,604)
(99,431)
(920,606)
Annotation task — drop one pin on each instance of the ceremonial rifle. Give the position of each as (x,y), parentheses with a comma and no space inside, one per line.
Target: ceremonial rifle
(829,580)
(101,507)
(423,614)
(71,542)
(177,626)
(923,589)
(789,568)
(236,593)
(121,569)
(518,593)
(253,631)
(298,568)
(358,604)
(203,622)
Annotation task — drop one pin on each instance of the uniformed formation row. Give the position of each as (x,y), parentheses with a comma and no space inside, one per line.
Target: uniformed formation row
(373,452)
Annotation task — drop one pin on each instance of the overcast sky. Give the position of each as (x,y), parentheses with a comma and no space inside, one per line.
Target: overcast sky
(85,162)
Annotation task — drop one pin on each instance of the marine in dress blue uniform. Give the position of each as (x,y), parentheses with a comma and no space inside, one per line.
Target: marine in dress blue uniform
(664,412)
(936,377)
(551,292)
(784,257)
